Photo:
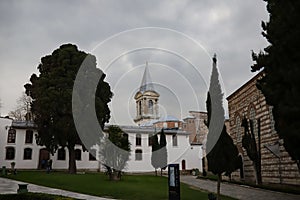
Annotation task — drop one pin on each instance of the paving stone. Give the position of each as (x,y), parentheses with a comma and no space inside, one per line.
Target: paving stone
(238,191)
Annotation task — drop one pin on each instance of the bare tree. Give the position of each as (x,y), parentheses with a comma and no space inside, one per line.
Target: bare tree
(22,110)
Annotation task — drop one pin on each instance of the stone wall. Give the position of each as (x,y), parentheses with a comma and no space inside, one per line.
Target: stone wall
(195,125)
(248,101)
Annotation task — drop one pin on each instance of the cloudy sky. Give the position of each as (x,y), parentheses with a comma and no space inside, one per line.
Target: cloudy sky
(177,38)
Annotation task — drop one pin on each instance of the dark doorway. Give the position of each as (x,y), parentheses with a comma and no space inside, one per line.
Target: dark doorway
(44,156)
(183,165)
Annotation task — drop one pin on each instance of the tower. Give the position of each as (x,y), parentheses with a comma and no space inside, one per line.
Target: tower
(146,100)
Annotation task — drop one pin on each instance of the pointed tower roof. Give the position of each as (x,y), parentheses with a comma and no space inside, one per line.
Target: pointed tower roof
(146,84)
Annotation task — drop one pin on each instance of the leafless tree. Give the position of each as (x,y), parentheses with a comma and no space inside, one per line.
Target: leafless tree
(22,110)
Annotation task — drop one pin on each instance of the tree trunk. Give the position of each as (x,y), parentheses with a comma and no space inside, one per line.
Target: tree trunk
(298,165)
(72,161)
(115,175)
(161,172)
(258,174)
(155,172)
(219,186)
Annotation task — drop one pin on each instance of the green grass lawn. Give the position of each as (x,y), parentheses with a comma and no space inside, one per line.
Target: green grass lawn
(130,187)
(35,196)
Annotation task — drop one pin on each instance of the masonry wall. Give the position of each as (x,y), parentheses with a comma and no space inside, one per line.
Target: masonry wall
(250,102)
(196,126)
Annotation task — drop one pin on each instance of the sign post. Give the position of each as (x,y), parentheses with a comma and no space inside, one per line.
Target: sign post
(174,181)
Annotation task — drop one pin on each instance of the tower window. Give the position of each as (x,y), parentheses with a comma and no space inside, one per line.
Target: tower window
(138,140)
(150,106)
(140,108)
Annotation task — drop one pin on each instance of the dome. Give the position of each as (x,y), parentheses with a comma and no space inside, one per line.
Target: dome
(168,118)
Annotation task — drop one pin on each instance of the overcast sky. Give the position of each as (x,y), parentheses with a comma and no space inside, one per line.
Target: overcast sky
(122,35)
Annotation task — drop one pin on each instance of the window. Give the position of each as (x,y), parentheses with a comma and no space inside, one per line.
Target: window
(138,140)
(272,121)
(77,154)
(92,154)
(61,154)
(138,154)
(11,138)
(150,136)
(10,153)
(150,106)
(252,117)
(91,157)
(174,140)
(140,108)
(29,137)
(165,125)
(27,154)
(238,129)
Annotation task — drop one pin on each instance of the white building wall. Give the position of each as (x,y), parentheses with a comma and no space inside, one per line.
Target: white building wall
(4,125)
(84,163)
(183,151)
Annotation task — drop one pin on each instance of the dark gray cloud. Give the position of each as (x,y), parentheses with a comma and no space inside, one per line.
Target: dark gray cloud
(32,29)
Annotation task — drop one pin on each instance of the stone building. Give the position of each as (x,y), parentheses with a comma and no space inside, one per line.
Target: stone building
(195,124)
(276,164)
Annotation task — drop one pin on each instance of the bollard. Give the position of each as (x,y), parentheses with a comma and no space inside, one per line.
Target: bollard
(4,172)
(211,196)
(22,188)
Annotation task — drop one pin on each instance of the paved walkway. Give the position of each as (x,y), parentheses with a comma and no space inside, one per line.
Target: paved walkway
(238,191)
(8,186)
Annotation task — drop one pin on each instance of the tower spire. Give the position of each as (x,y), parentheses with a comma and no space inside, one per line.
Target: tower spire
(146,100)
(146,84)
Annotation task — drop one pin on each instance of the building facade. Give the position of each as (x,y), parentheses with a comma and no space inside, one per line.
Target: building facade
(195,124)
(276,164)
(18,143)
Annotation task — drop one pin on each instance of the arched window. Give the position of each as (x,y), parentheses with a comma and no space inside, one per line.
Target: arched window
(238,129)
(174,140)
(29,137)
(252,117)
(77,154)
(150,106)
(10,153)
(138,139)
(183,165)
(140,108)
(272,121)
(61,154)
(27,154)
(138,154)
(11,137)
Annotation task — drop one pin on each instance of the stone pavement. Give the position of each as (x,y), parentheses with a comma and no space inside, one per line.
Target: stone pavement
(8,186)
(238,191)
